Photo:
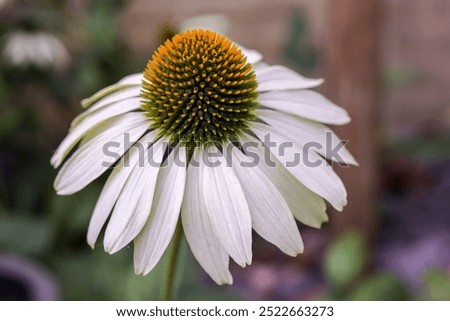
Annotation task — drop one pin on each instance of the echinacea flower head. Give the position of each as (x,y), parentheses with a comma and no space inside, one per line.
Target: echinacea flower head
(208,134)
(209,97)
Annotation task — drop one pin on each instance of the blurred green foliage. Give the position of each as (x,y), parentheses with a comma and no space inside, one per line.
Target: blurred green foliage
(36,107)
(437,285)
(344,266)
(381,287)
(25,235)
(344,261)
(422,148)
(396,77)
(298,49)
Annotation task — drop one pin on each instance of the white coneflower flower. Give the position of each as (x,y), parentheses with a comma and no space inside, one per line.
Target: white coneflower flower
(35,48)
(200,91)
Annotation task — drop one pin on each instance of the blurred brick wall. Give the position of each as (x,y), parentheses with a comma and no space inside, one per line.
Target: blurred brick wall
(415,44)
(257,24)
(417,50)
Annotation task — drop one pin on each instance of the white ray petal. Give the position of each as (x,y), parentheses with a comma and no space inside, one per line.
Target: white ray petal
(135,200)
(93,119)
(226,206)
(126,94)
(120,93)
(302,131)
(307,207)
(134,79)
(309,168)
(110,94)
(257,67)
(307,104)
(253,56)
(282,78)
(198,229)
(90,160)
(151,243)
(113,187)
(271,216)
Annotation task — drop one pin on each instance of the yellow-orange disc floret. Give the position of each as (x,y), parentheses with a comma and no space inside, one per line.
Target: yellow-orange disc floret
(199,88)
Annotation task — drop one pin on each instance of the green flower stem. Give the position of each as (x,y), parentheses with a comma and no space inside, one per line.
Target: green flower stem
(169,284)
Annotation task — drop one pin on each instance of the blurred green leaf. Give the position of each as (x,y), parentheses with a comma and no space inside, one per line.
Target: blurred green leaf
(344,260)
(424,149)
(3,198)
(112,277)
(89,75)
(101,25)
(96,275)
(92,275)
(189,278)
(80,207)
(10,120)
(151,286)
(437,285)
(401,76)
(381,287)
(25,234)
(2,207)
(298,48)
(3,87)
(32,185)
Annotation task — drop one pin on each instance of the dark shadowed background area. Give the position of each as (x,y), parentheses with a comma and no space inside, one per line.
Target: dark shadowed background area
(386,62)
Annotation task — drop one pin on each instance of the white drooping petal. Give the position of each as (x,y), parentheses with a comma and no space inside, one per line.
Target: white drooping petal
(260,66)
(304,132)
(122,93)
(271,216)
(134,79)
(135,200)
(121,96)
(113,187)
(94,119)
(307,104)
(125,88)
(94,157)
(253,56)
(226,206)
(307,207)
(198,229)
(154,238)
(308,167)
(282,78)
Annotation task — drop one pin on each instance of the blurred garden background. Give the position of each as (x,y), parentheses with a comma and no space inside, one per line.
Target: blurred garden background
(386,62)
